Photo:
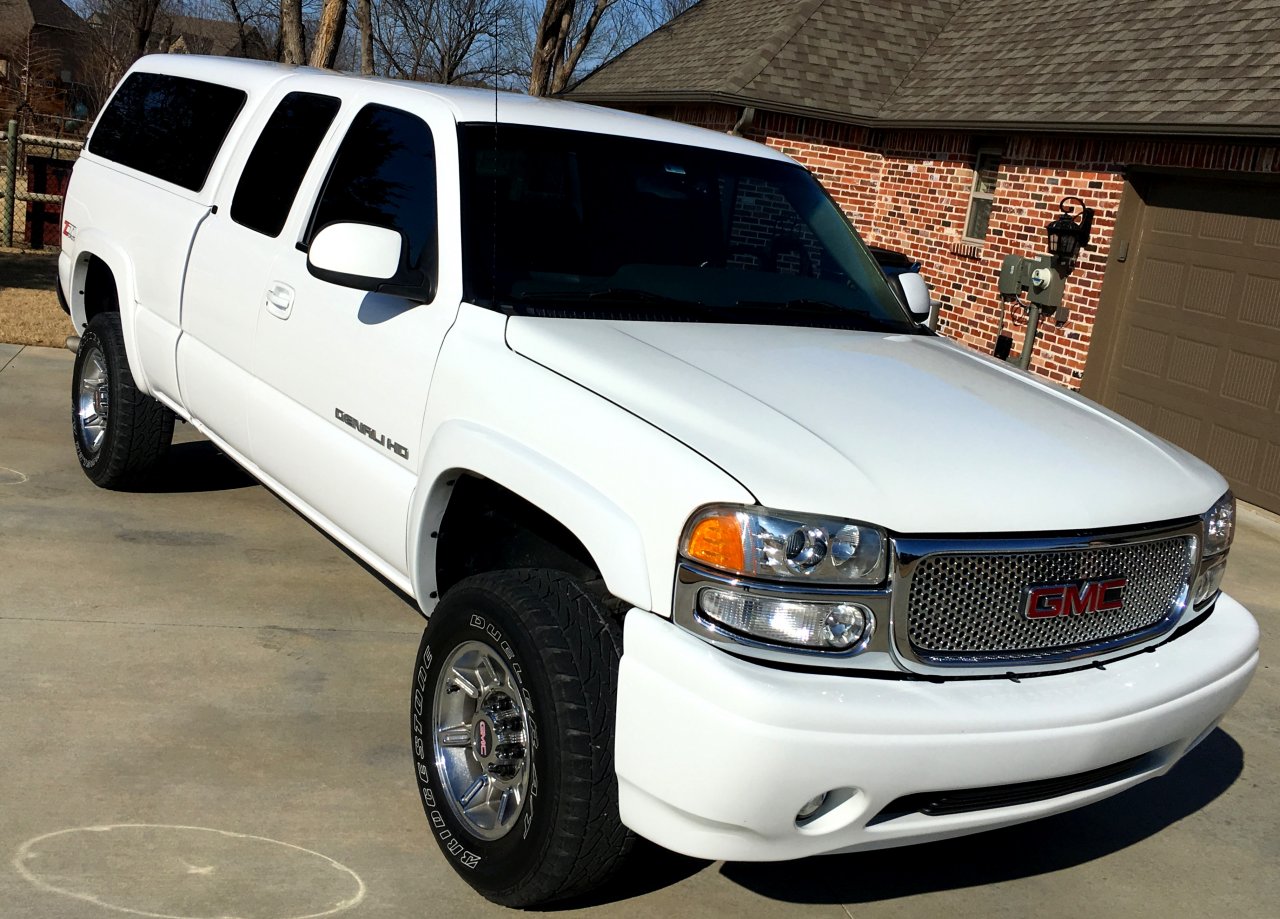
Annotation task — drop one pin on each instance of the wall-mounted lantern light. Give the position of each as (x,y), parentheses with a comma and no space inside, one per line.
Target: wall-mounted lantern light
(1070,232)
(1042,278)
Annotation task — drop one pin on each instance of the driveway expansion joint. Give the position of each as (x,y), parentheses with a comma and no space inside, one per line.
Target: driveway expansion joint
(21,348)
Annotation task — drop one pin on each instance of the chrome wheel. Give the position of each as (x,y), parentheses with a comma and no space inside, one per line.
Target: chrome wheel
(93,401)
(480,737)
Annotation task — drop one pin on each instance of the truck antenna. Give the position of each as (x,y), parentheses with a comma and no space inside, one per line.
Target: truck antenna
(493,228)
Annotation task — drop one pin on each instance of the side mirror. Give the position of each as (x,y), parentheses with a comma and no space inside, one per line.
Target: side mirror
(366,257)
(915,294)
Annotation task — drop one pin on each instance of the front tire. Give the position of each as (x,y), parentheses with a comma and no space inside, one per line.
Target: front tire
(120,433)
(512,723)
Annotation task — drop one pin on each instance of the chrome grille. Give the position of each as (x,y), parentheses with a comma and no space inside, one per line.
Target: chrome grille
(967,607)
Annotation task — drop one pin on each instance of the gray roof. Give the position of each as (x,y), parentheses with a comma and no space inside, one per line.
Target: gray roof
(18,16)
(198,35)
(1152,66)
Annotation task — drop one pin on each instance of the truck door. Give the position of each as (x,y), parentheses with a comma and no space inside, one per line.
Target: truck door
(232,257)
(339,420)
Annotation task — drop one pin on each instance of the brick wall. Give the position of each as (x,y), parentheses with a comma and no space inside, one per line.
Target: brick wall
(909,190)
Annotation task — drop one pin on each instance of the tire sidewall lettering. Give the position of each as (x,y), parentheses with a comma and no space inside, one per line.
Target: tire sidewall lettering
(431,793)
(449,842)
(479,622)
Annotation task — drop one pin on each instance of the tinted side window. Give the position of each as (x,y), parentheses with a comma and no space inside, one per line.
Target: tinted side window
(169,127)
(280,159)
(385,175)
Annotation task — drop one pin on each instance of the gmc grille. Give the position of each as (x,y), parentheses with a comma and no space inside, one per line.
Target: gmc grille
(968,607)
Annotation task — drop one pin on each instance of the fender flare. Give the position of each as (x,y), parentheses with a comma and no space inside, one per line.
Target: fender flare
(609,534)
(94,243)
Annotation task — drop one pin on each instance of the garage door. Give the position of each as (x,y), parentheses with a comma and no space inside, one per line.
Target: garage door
(1191,345)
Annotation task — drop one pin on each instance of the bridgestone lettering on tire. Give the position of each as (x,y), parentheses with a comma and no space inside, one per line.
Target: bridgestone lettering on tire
(120,433)
(535,658)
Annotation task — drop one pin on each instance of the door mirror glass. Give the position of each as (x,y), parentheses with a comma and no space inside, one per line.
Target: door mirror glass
(915,294)
(356,255)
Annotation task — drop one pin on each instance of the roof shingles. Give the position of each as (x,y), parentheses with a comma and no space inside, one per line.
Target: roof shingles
(1179,65)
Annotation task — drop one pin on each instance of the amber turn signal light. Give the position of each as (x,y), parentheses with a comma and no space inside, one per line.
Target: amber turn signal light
(717,541)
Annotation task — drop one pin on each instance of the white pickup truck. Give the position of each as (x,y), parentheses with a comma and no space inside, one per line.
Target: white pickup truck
(708,528)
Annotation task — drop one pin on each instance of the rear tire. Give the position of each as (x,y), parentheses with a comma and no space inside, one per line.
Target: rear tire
(120,433)
(512,715)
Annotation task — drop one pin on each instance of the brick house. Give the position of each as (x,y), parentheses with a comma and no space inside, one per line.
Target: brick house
(951,129)
(42,45)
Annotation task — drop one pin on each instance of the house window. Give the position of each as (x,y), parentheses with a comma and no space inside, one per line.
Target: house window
(985,171)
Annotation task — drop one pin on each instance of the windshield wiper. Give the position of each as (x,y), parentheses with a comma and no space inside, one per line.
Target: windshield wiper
(614,294)
(614,299)
(813,308)
(806,304)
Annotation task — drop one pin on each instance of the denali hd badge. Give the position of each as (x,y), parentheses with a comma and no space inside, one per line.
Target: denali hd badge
(1049,601)
(380,439)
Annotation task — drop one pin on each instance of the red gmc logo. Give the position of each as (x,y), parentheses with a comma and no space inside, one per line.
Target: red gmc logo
(1049,601)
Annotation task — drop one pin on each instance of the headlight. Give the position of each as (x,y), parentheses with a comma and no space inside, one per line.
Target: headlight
(1220,525)
(778,545)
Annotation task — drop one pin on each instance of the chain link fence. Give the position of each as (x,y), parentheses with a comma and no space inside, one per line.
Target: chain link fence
(31,166)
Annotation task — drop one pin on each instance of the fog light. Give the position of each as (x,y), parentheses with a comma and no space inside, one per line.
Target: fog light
(811,807)
(1209,581)
(807,623)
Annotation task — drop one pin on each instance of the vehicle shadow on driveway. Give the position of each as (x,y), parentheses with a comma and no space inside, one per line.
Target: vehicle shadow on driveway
(648,868)
(197,466)
(1040,847)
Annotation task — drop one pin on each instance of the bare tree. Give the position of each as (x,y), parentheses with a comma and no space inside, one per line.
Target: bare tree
(364,24)
(333,19)
(119,33)
(444,41)
(292,38)
(563,33)
(241,26)
(141,14)
(653,14)
(30,86)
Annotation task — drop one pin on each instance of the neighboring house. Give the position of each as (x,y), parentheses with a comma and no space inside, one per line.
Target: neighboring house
(42,46)
(951,129)
(194,35)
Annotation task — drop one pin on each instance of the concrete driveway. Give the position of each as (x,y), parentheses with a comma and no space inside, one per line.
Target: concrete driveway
(201,670)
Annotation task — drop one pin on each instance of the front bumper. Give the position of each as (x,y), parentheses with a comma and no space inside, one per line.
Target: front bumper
(715,754)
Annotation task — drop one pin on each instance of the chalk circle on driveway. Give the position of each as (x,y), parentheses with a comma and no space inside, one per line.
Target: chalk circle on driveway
(188,872)
(11,476)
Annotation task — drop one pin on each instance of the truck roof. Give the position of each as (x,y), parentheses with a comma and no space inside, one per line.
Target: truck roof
(468,104)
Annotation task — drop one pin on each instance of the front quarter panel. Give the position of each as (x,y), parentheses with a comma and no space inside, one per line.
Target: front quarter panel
(622,486)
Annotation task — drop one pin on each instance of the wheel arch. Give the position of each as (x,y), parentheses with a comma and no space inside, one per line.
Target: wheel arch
(586,526)
(98,260)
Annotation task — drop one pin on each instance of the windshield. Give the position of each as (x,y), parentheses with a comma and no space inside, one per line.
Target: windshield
(568,223)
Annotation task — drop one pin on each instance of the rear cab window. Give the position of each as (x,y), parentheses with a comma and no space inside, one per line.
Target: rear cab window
(168,127)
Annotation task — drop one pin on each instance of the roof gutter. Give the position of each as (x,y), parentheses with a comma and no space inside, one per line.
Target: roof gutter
(1259,132)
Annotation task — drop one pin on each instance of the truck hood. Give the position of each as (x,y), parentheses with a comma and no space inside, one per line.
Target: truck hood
(909,432)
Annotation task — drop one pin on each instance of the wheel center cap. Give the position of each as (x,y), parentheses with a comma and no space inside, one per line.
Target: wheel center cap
(482,738)
(100,400)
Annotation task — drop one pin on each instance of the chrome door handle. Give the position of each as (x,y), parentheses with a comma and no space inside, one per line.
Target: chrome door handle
(279,299)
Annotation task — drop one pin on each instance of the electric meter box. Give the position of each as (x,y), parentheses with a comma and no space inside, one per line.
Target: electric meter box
(1015,274)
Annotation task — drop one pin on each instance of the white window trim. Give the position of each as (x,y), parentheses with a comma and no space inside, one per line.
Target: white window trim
(974,194)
